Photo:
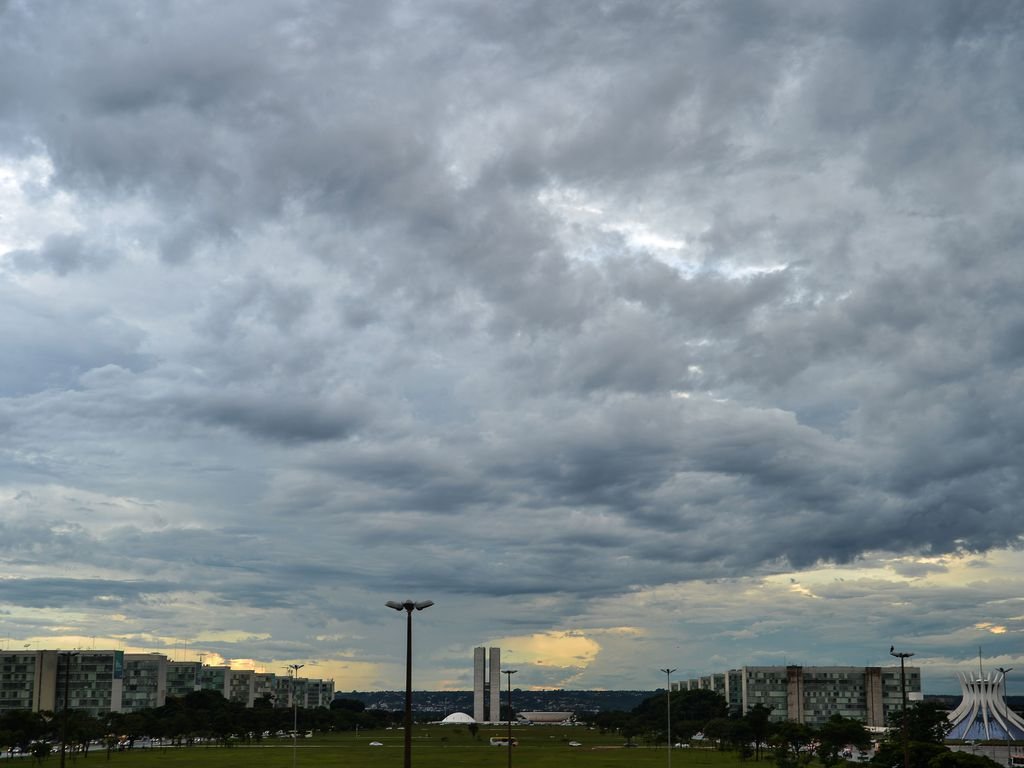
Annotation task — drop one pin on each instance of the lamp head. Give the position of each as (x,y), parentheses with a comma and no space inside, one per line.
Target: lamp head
(409,605)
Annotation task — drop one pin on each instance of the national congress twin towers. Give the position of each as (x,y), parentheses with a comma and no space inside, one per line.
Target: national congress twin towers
(486,685)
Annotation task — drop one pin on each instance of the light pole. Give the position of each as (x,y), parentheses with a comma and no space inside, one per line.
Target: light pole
(903,656)
(295,710)
(408,606)
(509,673)
(1006,711)
(68,655)
(668,711)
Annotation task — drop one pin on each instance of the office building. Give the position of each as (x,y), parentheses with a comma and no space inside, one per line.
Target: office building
(145,681)
(182,677)
(811,695)
(486,685)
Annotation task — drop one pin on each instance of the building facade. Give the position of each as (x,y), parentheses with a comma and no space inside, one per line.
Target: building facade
(145,681)
(98,682)
(812,695)
(183,677)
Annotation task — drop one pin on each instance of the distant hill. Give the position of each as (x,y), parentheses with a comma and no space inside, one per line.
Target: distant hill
(445,702)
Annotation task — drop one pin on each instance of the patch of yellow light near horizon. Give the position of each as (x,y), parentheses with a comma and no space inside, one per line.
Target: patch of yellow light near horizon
(995,629)
(559,649)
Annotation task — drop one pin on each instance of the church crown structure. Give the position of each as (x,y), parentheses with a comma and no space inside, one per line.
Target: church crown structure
(983,713)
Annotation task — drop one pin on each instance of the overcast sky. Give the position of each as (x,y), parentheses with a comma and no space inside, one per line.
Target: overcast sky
(633,334)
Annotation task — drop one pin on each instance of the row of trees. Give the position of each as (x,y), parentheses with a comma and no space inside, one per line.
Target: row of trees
(790,745)
(197,715)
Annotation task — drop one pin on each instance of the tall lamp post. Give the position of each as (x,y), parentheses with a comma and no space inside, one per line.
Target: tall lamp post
(1006,711)
(408,606)
(668,711)
(68,655)
(509,673)
(903,656)
(295,710)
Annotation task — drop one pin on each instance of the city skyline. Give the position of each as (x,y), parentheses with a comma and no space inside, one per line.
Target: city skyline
(634,335)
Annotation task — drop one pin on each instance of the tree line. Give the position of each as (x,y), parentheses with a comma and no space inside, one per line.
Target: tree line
(197,716)
(705,715)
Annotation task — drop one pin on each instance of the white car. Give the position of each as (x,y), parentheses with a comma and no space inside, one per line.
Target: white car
(376,744)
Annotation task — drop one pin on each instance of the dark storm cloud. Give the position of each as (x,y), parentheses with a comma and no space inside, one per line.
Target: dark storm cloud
(81,593)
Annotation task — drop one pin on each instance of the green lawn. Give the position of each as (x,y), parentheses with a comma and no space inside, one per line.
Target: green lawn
(433,747)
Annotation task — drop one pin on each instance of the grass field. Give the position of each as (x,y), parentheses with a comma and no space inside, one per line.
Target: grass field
(433,747)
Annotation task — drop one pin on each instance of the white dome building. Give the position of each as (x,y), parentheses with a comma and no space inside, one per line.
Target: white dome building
(983,714)
(458,718)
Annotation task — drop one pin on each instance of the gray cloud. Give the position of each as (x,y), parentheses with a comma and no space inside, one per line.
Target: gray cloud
(566,304)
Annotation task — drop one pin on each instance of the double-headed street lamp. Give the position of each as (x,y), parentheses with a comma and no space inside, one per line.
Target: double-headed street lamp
(408,606)
(668,710)
(509,673)
(295,710)
(903,656)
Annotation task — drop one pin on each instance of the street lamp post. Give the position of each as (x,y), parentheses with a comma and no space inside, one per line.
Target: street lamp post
(295,710)
(668,711)
(509,673)
(903,656)
(408,606)
(68,655)
(1006,711)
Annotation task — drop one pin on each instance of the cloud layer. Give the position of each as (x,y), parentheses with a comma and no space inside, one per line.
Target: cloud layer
(541,311)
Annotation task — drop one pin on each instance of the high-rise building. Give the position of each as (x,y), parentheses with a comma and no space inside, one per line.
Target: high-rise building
(494,713)
(486,685)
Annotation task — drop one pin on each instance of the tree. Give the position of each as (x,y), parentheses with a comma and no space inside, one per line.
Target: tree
(789,742)
(952,759)
(718,730)
(926,728)
(40,751)
(758,717)
(351,705)
(691,711)
(926,722)
(837,733)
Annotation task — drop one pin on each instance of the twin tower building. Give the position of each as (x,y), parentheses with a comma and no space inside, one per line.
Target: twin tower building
(486,685)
